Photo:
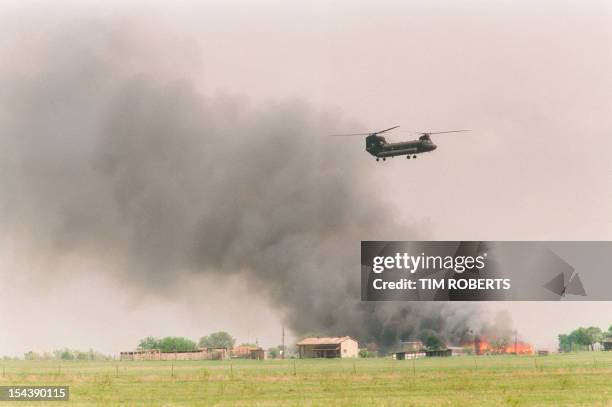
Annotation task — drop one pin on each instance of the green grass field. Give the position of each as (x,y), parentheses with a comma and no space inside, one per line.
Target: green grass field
(560,380)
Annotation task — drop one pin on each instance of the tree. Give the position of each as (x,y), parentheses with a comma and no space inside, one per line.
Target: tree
(579,338)
(149,343)
(31,356)
(431,340)
(168,344)
(582,339)
(218,340)
(176,344)
(66,354)
(565,345)
(365,353)
(275,352)
(594,335)
(82,355)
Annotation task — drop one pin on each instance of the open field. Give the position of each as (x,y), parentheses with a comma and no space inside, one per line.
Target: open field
(568,379)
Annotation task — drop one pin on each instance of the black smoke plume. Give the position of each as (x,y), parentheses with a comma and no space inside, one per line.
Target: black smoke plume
(110,150)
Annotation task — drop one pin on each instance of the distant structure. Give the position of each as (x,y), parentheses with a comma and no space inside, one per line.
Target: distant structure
(607,344)
(401,355)
(409,350)
(439,353)
(248,352)
(328,347)
(457,350)
(411,346)
(156,354)
(448,351)
(413,350)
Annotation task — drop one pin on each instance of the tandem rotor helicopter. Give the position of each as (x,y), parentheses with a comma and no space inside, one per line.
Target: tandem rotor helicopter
(380,148)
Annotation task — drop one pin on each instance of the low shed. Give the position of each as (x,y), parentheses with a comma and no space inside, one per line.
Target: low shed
(409,355)
(439,353)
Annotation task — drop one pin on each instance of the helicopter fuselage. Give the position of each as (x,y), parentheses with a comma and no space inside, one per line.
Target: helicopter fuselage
(379,148)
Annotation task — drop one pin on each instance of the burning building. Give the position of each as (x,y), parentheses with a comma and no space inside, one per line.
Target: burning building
(484,347)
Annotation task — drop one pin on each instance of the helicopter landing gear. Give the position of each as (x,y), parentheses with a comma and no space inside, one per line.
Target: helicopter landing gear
(414,156)
(384,158)
(408,157)
(376,158)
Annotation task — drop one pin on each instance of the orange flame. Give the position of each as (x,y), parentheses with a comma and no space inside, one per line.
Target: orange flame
(484,347)
(521,348)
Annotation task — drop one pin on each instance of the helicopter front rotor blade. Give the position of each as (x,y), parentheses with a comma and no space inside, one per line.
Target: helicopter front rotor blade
(350,134)
(373,133)
(390,128)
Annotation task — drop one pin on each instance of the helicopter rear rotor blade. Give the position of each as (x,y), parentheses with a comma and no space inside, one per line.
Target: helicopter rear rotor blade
(439,132)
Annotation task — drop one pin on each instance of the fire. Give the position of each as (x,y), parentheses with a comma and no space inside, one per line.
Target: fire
(484,347)
(521,348)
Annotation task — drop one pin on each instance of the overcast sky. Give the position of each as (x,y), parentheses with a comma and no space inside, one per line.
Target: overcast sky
(532,81)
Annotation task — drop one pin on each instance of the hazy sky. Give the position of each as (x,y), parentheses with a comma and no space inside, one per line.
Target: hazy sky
(532,81)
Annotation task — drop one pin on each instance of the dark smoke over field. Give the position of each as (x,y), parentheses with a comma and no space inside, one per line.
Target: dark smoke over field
(109,150)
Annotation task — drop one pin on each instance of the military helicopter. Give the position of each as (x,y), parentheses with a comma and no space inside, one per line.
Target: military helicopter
(380,148)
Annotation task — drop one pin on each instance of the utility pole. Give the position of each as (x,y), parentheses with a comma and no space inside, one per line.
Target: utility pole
(283,343)
(515,342)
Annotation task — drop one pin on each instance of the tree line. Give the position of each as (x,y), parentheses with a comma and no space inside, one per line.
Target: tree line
(584,338)
(63,354)
(219,339)
(215,340)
